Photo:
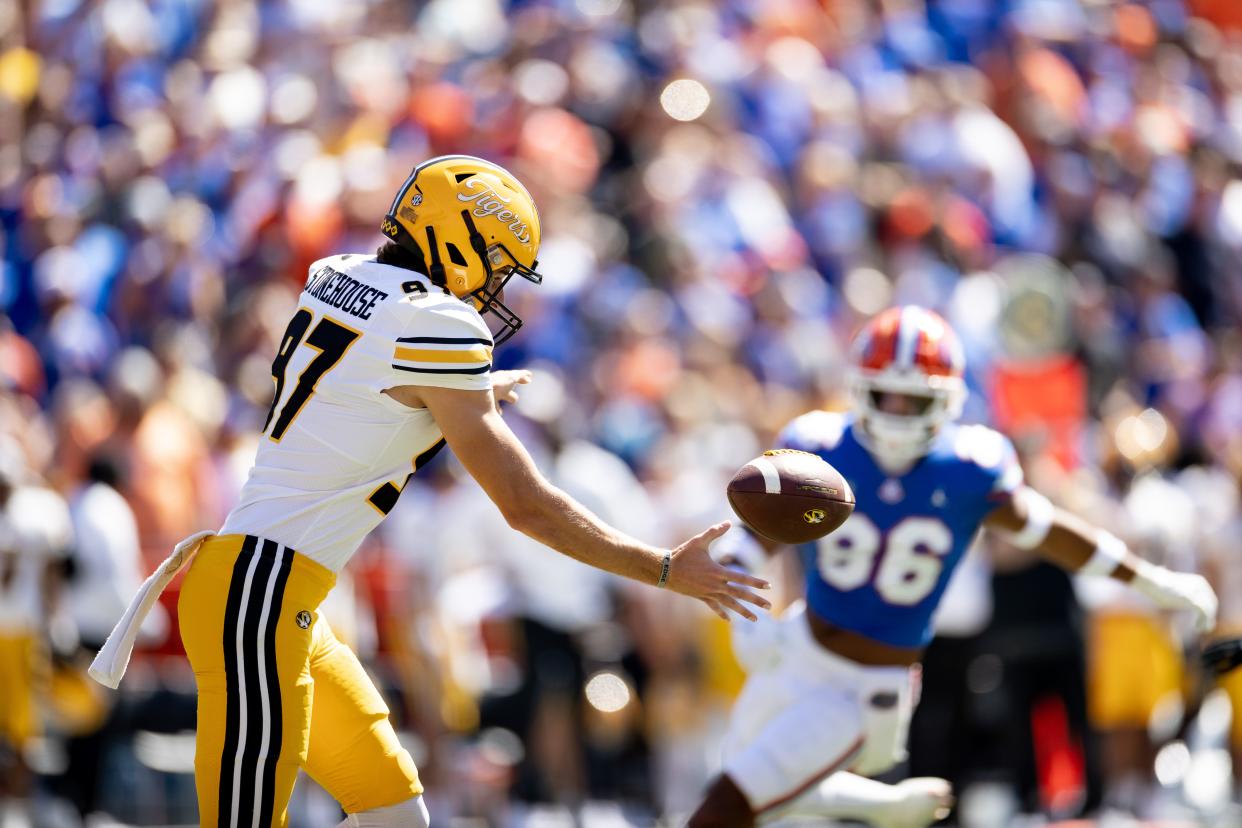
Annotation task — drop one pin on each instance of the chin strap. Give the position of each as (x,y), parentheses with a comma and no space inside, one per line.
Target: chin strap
(436,267)
(488,295)
(477,242)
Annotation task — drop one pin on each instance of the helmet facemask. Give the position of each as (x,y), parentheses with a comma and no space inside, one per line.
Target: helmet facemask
(500,266)
(898,440)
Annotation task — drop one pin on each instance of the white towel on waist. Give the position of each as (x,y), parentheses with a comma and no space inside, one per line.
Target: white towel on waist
(109,665)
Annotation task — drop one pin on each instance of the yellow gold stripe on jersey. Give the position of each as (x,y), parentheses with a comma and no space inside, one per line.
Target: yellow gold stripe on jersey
(467,355)
(476,354)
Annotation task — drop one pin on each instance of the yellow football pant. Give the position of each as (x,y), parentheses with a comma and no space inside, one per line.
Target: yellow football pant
(1134,664)
(277,691)
(18,718)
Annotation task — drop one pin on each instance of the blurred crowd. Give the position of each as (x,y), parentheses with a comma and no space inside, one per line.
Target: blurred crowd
(727,189)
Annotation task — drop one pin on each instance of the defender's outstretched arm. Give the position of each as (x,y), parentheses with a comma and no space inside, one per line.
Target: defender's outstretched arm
(1030,521)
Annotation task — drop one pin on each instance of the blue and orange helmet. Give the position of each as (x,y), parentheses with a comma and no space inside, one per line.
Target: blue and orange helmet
(911,352)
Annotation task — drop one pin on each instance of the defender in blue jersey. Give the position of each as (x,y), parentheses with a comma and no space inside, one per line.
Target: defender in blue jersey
(832,685)
(882,573)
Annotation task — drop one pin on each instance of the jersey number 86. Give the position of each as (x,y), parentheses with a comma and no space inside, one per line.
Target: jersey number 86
(910,557)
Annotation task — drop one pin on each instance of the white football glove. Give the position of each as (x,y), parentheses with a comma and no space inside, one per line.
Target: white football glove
(1178,591)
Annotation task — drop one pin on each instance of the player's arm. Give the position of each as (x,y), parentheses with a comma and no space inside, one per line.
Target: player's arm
(489,450)
(1030,521)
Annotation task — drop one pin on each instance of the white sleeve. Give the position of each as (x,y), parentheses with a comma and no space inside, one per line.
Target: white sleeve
(40,519)
(446,346)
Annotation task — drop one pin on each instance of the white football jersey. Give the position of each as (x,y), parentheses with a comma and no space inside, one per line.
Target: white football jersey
(335,451)
(34,529)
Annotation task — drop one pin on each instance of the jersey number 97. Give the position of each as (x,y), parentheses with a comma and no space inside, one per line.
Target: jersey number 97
(330,339)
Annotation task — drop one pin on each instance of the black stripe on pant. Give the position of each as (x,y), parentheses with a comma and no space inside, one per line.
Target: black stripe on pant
(268,777)
(232,716)
(250,591)
(255,675)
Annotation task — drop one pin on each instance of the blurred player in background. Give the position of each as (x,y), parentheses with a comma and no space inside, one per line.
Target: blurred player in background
(831,690)
(36,538)
(387,360)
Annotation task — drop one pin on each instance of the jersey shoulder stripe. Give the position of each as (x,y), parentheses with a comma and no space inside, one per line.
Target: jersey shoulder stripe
(442,337)
(482,369)
(475,354)
(465,357)
(446,340)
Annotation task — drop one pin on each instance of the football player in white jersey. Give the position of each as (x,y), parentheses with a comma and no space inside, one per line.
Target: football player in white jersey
(387,359)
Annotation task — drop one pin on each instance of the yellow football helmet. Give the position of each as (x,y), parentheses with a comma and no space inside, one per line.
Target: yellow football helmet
(474,225)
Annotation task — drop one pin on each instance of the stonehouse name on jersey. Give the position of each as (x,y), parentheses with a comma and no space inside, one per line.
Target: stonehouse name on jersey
(343,292)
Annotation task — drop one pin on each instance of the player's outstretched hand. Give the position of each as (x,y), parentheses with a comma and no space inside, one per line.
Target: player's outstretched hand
(505,383)
(1180,591)
(694,573)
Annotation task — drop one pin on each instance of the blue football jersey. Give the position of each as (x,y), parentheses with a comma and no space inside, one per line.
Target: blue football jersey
(882,573)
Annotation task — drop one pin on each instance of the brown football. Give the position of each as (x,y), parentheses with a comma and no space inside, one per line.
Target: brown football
(790,496)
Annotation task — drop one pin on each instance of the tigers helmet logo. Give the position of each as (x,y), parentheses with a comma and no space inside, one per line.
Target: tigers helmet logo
(488,202)
(303,619)
(814,515)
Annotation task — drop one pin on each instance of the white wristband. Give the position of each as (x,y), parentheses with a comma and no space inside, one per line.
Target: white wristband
(1039,514)
(1110,552)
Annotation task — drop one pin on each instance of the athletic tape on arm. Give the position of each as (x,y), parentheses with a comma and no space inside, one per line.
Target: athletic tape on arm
(1039,515)
(1110,552)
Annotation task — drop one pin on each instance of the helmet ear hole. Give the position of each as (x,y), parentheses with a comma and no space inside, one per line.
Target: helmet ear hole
(460,177)
(455,255)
